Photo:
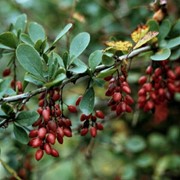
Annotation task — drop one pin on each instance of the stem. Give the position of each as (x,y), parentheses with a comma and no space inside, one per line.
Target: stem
(30,94)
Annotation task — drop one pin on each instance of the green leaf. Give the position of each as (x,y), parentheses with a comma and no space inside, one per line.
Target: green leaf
(30,60)
(59,78)
(145,160)
(33,79)
(20,24)
(95,59)
(8,39)
(79,44)
(153,25)
(164,29)
(36,32)
(98,82)
(106,72)
(161,55)
(7,108)
(27,118)
(62,33)
(135,144)
(173,42)
(20,134)
(26,39)
(79,66)
(87,103)
(108,59)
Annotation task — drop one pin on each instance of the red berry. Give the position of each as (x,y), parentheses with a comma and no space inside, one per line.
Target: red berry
(41,102)
(36,142)
(56,96)
(39,110)
(142,92)
(78,100)
(6,72)
(60,139)
(93,118)
(72,109)
(129,100)
(142,80)
(117,96)
(68,122)
(54,153)
(171,74)
(128,108)
(171,88)
(99,114)
(123,106)
(149,70)
(108,78)
(147,87)
(42,132)
(37,123)
(148,106)
(67,132)
(46,115)
(93,131)
(126,89)
(83,117)
(47,148)
(60,132)
(19,86)
(33,133)
(157,72)
(84,131)
(39,154)
(52,125)
(51,138)
(99,126)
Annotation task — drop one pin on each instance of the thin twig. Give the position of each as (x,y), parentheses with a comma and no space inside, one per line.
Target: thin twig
(30,94)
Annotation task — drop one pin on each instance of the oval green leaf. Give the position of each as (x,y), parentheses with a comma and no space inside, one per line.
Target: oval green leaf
(173,42)
(36,32)
(30,60)
(20,24)
(27,118)
(9,39)
(164,29)
(78,45)
(87,103)
(161,55)
(20,134)
(95,59)
(63,32)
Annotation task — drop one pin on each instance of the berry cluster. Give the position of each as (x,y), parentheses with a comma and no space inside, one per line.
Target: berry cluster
(158,85)
(51,125)
(90,123)
(119,91)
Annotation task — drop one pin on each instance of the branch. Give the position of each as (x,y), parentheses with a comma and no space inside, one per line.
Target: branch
(30,94)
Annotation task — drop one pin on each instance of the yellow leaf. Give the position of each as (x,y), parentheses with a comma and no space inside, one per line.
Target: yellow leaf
(79,17)
(149,36)
(139,33)
(119,45)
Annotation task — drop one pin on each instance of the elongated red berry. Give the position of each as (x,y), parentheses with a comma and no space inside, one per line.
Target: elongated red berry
(46,115)
(67,132)
(47,148)
(149,70)
(84,131)
(33,133)
(60,139)
(83,117)
(36,142)
(42,132)
(6,72)
(39,154)
(99,126)
(37,123)
(54,153)
(72,109)
(78,100)
(93,131)
(41,102)
(126,89)
(60,132)
(117,96)
(128,99)
(99,114)
(142,80)
(51,138)
(52,125)
(19,86)
(171,74)
(147,87)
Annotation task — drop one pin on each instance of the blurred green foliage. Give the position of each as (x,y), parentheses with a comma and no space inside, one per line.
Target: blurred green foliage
(124,150)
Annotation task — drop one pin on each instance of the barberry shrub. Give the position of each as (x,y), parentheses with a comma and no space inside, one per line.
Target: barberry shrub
(50,74)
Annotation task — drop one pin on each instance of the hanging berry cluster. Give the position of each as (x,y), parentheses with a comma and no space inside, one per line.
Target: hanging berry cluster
(51,125)
(119,91)
(158,86)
